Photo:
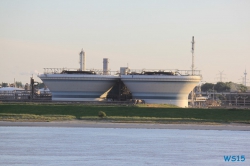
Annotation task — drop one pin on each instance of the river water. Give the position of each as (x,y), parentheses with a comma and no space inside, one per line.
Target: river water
(107,146)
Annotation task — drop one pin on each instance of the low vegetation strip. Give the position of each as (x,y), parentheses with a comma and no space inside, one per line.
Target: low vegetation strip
(117,113)
(32,117)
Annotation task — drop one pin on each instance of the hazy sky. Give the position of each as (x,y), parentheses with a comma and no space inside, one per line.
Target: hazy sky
(152,34)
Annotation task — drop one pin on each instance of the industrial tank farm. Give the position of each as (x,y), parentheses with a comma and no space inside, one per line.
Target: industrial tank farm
(152,86)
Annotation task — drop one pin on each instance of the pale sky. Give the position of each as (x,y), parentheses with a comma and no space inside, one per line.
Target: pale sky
(151,34)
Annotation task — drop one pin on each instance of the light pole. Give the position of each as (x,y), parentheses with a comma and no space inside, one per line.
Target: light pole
(213,94)
(236,98)
(244,98)
(230,100)
(224,98)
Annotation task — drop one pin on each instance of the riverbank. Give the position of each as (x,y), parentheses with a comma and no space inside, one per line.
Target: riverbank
(151,114)
(88,124)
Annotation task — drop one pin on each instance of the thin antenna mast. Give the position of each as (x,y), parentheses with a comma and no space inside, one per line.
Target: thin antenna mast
(192,93)
(193,55)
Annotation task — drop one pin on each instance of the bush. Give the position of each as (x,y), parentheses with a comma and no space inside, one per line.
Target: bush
(101,114)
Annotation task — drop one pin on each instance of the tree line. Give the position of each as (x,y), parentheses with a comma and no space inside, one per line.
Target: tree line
(223,87)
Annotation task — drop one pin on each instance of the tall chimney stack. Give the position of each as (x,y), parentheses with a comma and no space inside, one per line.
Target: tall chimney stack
(82,61)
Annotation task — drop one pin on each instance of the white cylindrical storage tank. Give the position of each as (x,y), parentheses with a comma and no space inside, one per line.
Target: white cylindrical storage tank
(105,66)
(82,61)
(161,89)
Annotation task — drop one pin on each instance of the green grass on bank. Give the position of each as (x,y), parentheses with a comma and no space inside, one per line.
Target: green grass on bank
(116,113)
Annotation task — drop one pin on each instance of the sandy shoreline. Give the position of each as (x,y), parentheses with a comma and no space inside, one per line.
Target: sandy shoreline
(89,124)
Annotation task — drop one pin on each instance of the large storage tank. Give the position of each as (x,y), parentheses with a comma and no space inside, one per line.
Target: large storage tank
(160,88)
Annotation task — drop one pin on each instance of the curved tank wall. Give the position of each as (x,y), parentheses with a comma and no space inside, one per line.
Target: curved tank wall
(161,89)
(78,87)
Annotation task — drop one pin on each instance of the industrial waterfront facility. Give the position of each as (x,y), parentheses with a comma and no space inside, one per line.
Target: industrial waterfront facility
(127,86)
(151,86)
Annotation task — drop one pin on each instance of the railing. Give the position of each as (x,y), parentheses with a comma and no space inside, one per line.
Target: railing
(129,71)
(23,95)
(175,71)
(60,70)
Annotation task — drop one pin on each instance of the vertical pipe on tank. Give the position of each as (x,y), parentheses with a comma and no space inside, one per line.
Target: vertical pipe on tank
(82,61)
(105,66)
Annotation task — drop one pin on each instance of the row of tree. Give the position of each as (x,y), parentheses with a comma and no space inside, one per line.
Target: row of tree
(223,87)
